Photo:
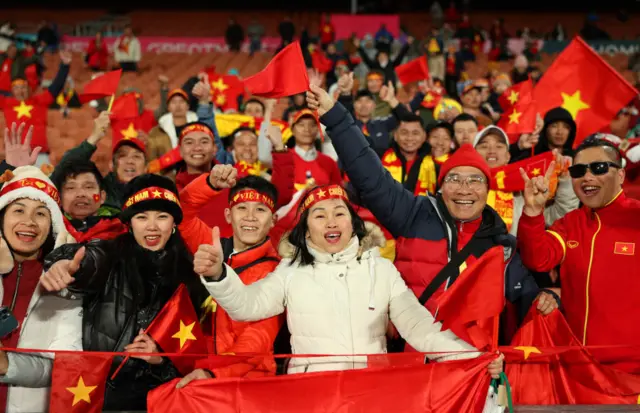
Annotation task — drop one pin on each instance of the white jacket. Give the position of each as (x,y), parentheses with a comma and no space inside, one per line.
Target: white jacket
(51,323)
(340,305)
(132,50)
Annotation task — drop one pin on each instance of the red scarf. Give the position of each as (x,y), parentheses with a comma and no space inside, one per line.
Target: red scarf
(108,228)
(426,176)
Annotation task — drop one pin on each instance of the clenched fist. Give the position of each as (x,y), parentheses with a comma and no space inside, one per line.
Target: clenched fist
(208,260)
(223,176)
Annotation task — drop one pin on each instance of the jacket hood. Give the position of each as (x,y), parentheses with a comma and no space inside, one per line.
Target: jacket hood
(374,238)
(555,115)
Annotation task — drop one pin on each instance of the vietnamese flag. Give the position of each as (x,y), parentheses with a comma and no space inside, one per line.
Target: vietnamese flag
(100,87)
(431,99)
(585,85)
(285,75)
(165,161)
(125,107)
(447,387)
(520,117)
(507,178)
(78,382)
(176,329)
(519,93)
(416,70)
(548,365)
(471,306)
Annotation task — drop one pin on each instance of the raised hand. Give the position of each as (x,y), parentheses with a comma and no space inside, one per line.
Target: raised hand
(100,126)
(66,57)
(536,191)
(345,84)
(223,176)
(388,94)
(202,89)
(60,275)
(143,343)
(275,137)
(315,78)
(318,99)
(197,374)
(18,153)
(208,259)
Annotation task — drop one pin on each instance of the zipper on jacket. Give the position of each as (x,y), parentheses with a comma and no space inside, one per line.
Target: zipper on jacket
(586,307)
(15,292)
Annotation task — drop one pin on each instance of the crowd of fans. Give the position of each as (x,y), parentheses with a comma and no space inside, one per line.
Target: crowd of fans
(354,225)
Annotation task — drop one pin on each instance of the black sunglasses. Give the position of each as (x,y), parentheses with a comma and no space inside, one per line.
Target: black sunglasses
(597,168)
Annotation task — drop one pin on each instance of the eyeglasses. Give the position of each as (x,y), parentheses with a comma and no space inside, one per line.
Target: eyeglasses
(474,182)
(597,168)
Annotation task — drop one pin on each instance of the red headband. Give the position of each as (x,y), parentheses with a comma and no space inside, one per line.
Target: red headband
(195,127)
(322,193)
(251,195)
(149,194)
(36,183)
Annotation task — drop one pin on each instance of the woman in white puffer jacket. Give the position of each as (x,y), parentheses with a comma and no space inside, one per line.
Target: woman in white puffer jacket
(338,292)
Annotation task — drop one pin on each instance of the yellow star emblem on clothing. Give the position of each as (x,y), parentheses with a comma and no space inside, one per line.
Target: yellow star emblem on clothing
(209,305)
(429,98)
(157,194)
(513,97)
(527,350)
(130,132)
(23,110)
(185,333)
(535,171)
(219,85)
(625,249)
(515,116)
(221,100)
(81,392)
(573,103)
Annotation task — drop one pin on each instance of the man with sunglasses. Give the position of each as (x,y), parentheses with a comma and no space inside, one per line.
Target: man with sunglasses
(594,245)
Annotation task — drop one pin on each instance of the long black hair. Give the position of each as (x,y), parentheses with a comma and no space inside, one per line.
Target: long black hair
(298,235)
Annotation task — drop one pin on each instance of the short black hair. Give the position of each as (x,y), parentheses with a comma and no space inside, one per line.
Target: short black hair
(298,235)
(254,100)
(412,117)
(597,141)
(228,141)
(463,117)
(69,169)
(256,183)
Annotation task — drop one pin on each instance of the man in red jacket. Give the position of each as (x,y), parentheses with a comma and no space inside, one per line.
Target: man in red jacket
(249,252)
(595,247)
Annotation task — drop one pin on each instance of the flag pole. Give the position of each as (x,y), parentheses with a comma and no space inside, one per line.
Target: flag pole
(111,102)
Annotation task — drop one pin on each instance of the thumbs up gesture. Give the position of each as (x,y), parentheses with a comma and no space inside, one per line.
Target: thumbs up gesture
(60,275)
(208,260)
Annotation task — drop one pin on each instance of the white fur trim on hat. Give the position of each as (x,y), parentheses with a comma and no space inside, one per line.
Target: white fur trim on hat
(491,129)
(23,172)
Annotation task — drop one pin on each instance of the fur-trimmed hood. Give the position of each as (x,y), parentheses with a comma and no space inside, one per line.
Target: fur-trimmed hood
(374,238)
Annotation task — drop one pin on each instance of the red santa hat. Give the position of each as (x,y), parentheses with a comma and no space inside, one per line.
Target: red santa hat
(465,156)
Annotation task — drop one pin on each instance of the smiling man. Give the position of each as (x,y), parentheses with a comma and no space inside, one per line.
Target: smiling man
(595,247)
(198,150)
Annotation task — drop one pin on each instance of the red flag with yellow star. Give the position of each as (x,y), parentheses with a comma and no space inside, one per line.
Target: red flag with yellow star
(520,92)
(32,112)
(415,70)
(285,75)
(580,81)
(225,90)
(100,87)
(508,179)
(548,365)
(78,382)
(176,329)
(520,117)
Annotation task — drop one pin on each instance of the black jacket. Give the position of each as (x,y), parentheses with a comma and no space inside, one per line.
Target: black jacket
(123,287)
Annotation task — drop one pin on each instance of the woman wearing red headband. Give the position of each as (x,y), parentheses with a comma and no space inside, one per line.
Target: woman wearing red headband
(338,292)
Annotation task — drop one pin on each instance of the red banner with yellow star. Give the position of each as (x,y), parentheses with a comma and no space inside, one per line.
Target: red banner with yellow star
(78,382)
(549,365)
(520,116)
(225,90)
(31,112)
(580,81)
(508,179)
(176,329)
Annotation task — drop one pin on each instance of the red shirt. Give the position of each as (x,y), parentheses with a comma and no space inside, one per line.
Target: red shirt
(33,111)
(323,170)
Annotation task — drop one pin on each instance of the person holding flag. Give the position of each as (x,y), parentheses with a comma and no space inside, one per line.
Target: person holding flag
(595,247)
(437,237)
(132,276)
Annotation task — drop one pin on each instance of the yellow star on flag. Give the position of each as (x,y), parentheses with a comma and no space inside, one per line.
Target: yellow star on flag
(528,350)
(81,392)
(513,97)
(221,100)
(157,194)
(185,333)
(23,110)
(130,132)
(625,249)
(209,305)
(515,116)
(573,103)
(219,85)
(535,171)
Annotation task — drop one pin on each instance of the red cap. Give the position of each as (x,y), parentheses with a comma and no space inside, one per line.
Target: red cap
(135,142)
(465,156)
(304,113)
(178,92)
